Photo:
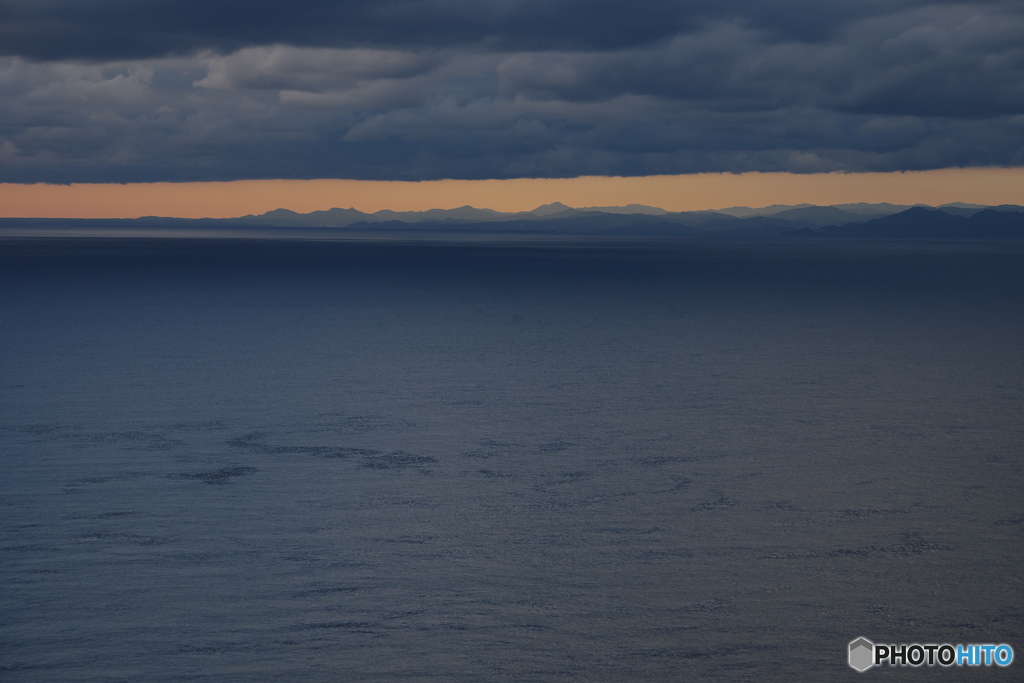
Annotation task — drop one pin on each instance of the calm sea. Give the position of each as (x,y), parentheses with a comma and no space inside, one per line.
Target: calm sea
(238,460)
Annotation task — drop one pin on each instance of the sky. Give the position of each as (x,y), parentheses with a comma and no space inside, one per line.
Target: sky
(165,92)
(673,192)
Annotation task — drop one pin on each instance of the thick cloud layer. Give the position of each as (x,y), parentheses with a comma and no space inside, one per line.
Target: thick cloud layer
(130,90)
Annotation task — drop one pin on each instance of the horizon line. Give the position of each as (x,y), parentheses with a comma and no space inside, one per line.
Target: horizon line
(595,209)
(988,186)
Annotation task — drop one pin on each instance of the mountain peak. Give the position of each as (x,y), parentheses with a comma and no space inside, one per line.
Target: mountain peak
(548,209)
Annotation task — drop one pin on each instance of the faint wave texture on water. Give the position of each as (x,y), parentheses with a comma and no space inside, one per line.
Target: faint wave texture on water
(235,460)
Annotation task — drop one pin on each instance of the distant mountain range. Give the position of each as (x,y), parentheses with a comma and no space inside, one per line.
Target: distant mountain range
(801,221)
(781,215)
(924,223)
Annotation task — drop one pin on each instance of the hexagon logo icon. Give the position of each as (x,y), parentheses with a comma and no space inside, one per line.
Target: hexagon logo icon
(862,654)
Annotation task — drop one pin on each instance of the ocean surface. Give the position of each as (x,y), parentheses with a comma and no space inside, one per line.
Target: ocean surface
(303,460)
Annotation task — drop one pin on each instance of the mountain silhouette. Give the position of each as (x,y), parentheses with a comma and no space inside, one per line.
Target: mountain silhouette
(846,221)
(920,222)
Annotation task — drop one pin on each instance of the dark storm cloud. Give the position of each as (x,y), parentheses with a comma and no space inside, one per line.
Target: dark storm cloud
(122,29)
(122,90)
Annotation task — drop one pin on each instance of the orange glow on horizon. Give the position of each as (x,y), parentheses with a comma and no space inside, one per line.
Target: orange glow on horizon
(674,193)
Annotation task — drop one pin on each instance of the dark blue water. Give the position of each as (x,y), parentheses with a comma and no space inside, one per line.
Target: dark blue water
(235,460)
